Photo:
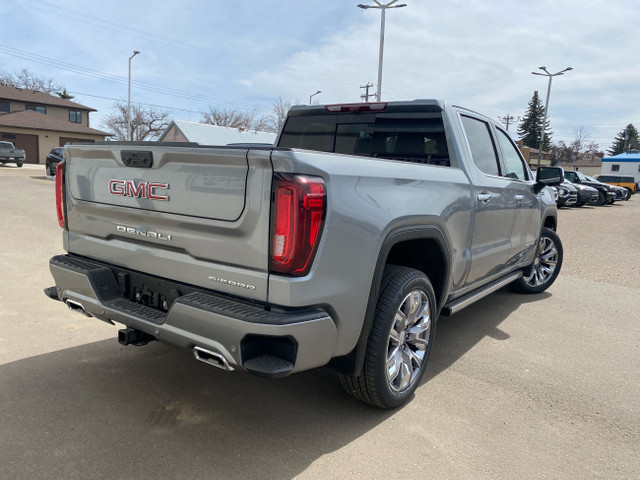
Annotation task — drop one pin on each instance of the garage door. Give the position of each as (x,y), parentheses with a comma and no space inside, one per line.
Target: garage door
(28,143)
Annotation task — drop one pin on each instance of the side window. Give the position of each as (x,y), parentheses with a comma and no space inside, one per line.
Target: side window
(482,148)
(514,165)
(615,168)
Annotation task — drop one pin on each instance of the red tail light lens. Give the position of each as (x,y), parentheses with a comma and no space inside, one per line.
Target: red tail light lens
(60,194)
(298,216)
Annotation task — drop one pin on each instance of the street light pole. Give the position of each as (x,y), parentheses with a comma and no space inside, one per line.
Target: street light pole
(546,105)
(313,95)
(383,7)
(129,132)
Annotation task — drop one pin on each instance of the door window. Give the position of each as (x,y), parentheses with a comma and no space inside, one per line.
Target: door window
(513,162)
(483,151)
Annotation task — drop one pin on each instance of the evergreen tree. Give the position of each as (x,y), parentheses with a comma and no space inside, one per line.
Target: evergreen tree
(626,140)
(64,94)
(530,127)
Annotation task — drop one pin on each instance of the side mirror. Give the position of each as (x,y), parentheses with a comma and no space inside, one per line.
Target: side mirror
(549,177)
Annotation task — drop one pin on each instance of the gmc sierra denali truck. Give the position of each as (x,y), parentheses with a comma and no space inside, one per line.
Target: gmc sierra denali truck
(339,246)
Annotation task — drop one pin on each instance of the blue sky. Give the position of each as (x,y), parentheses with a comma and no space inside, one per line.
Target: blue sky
(244,54)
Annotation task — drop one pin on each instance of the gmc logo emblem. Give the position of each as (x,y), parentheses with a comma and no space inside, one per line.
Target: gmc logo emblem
(129,188)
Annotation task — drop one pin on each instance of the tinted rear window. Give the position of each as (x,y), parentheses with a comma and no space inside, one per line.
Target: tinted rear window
(419,139)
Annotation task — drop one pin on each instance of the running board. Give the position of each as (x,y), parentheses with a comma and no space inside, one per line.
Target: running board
(462,302)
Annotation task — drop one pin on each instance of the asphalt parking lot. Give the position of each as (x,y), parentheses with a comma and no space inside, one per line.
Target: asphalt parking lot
(544,387)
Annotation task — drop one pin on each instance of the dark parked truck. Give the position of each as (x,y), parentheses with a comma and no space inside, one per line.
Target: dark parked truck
(341,245)
(10,154)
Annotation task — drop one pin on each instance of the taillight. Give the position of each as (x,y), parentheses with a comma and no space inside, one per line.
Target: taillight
(298,216)
(60,194)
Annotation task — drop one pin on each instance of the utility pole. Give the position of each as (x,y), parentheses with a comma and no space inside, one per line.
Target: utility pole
(366,95)
(129,132)
(506,121)
(546,105)
(383,8)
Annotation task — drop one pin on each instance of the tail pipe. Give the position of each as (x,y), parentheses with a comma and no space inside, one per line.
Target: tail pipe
(212,358)
(77,307)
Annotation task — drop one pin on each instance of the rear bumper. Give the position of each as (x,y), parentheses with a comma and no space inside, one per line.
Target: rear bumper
(248,336)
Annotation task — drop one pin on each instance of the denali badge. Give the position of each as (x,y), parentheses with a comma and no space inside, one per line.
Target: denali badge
(129,188)
(143,233)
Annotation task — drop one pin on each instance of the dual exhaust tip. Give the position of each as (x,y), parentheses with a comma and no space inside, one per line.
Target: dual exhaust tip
(133,336)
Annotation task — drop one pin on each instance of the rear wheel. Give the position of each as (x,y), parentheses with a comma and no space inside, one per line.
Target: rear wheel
(601,198)
(48,169)
(400,340)
(546,265)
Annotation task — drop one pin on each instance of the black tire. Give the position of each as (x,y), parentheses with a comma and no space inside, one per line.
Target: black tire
(601,199)
(19,164)
(628,195)
(48,170)
(396,345)
(546,266)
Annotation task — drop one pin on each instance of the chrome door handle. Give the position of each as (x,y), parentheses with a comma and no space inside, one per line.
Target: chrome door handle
(484,197)
(519,198)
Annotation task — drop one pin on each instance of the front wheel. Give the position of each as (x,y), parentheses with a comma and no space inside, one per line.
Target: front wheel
(546,265)
(400,340)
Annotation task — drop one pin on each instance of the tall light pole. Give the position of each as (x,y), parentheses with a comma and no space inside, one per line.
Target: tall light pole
(129,132)
(546,105)
(383,7)
(313,95)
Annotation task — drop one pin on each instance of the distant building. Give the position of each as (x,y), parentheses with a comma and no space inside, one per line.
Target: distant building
(204,134)
(624,164)
(589,164)
(531,155)
(37,122)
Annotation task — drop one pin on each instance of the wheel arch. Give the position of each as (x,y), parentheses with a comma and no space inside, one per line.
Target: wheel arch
(405,246)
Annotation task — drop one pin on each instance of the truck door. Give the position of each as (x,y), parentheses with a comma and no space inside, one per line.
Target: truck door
(494,204)
(526,223)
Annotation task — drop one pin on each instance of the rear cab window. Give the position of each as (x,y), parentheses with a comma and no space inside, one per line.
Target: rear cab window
(417,137)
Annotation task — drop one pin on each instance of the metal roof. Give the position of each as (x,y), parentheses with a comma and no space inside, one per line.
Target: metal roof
(205,134)
(632,156)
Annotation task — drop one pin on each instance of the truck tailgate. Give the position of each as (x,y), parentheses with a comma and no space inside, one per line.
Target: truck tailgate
(198,215)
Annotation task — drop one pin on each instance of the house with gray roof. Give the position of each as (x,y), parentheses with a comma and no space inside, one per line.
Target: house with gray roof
(37,122)
(204,134)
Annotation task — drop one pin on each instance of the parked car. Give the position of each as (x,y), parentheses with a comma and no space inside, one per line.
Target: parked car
(54,157)
(625,181)
(586,195)
(621,192)
(567,195)
(10,154)
(606,194)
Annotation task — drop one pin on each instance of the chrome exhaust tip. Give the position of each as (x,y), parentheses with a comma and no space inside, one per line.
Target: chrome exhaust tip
(77,307)
(212,358)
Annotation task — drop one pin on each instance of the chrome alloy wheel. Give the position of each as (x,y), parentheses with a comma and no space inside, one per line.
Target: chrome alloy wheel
(408,341)
(544,264)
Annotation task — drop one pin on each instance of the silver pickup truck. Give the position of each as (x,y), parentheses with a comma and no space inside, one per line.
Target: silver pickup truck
(341,245)
(10,154)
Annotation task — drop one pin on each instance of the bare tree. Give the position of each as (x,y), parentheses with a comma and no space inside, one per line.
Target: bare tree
(147,123)
(27,80)
(580,147)
(249,120)
(278,115)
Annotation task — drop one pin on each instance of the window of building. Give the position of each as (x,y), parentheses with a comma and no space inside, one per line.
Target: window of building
(37,108)
(615,168)
(4,106)
(75,116)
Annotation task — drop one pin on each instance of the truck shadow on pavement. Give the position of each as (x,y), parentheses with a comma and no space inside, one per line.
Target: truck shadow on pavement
(106,411)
